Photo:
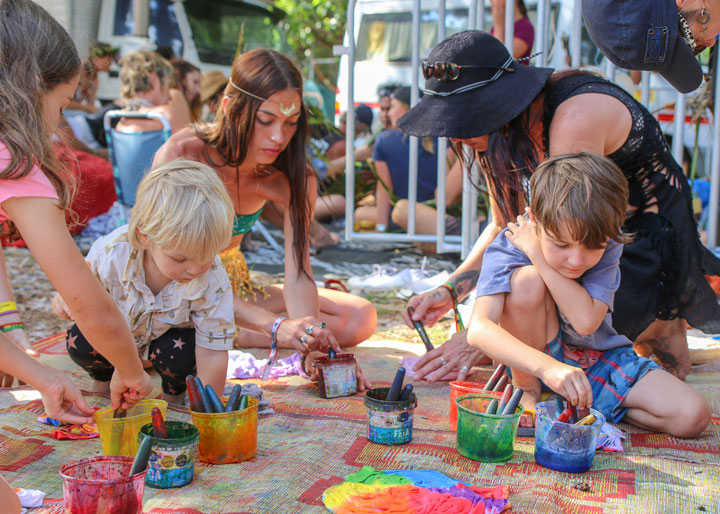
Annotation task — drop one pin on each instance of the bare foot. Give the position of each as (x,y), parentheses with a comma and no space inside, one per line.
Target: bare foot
(667,341)
(100,387)
(528,401)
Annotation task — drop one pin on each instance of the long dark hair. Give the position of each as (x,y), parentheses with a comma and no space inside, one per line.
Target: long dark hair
(263,73)
(182,69)
(36,55)
(511,156)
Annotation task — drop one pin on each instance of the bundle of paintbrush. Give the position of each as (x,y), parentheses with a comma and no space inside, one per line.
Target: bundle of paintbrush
(205,399)
(397,392)
(571,414)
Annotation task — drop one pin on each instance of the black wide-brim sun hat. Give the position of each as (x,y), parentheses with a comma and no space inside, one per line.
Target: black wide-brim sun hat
(479,110)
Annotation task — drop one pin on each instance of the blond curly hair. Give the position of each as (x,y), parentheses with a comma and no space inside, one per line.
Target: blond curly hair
(136,70)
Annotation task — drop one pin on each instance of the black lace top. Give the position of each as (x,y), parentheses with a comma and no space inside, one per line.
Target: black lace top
(663,268)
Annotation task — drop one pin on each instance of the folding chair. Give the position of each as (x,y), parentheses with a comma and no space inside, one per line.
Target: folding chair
(131,153)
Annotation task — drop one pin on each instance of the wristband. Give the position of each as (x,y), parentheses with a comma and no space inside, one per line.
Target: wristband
(8,306)
(273,347)
(459,325)
(11,326)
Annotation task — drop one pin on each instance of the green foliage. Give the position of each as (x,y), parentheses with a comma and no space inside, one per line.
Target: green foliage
(312,28)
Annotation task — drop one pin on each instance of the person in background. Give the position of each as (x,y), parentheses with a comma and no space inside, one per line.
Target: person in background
(212,86)
(146,79)
(187,81)
(384,93)
(524,32)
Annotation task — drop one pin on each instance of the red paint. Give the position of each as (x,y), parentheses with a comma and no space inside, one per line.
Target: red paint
(158,424)
(101,485)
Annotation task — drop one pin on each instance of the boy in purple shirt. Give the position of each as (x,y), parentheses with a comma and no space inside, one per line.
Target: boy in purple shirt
(545,294)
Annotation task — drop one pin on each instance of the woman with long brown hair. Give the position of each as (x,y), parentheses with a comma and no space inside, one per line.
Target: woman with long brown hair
(257,146)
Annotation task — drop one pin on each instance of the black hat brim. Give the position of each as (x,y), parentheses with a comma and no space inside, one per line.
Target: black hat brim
(476,112)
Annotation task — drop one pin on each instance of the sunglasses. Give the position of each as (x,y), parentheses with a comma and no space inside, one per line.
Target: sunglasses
(449,71)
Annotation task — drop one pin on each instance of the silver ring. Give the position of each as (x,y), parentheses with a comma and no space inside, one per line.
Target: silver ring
(464,369)
(322,325)
(303,338)
(442,359)
(309,330)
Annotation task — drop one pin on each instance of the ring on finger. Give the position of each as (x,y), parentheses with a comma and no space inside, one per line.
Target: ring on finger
(464,369)
(442,359)
(322,324)
(309,330)
(303,338)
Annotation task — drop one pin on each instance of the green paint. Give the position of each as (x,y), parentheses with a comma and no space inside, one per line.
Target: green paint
(483,437)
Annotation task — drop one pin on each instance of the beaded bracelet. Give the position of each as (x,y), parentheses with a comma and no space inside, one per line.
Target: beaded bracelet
(11,326)
(459,325)
(8,306)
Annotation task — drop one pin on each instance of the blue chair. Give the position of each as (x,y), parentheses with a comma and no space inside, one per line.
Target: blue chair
(131,153)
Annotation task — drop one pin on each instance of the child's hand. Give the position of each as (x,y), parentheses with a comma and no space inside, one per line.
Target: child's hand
(125,392)
(523,235)
(63,400)
(60,308)
(293,333)
(570,382)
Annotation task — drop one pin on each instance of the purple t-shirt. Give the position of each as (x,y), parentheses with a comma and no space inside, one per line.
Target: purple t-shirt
(601,281)
(524,31)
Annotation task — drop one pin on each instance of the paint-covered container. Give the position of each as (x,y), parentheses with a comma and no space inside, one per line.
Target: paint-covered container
(100,485)
(119,436)
(389,422)
(460,388)
(485,437)
(564,446)
(227,436)
(337,377)
(172,460)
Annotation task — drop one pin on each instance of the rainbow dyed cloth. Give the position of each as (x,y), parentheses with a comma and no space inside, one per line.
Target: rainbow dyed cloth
(412,492)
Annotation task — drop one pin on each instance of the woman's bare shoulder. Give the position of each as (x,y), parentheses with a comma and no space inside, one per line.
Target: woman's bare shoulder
(184,143)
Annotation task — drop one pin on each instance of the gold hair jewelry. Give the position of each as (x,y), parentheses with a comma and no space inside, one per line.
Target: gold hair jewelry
(286,111)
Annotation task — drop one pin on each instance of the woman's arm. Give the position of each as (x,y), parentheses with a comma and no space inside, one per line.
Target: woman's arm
(42,225)
(382,197)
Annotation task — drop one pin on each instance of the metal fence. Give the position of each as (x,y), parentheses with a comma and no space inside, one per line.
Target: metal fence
(463,243)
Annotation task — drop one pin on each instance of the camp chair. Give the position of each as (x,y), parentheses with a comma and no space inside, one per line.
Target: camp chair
(131,153)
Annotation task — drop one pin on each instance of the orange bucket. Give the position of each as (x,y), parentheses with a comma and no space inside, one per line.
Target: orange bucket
(227,436)
(458,388)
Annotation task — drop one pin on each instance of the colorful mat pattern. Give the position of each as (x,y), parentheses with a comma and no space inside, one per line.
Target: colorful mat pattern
(309,445)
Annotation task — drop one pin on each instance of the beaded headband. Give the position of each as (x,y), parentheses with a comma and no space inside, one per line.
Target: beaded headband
(286,111)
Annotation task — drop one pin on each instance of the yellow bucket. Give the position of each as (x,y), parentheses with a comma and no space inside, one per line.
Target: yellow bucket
(119,436)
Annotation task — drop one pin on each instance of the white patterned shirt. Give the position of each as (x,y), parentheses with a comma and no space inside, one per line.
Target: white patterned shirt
(205,303)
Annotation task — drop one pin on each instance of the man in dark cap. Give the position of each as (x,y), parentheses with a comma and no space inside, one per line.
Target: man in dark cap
(655,35)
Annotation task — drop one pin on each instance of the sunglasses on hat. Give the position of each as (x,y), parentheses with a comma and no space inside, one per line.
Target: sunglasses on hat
(449,71)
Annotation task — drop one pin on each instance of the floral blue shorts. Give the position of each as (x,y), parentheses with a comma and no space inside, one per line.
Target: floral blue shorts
(611,376)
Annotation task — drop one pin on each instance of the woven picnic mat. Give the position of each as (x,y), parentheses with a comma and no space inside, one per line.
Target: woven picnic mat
(309,444)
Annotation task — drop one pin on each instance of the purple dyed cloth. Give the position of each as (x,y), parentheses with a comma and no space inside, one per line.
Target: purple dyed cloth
(491,506)
(245,365)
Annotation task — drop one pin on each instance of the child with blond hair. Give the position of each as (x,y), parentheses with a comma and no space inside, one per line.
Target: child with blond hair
(164,274)
(545,295)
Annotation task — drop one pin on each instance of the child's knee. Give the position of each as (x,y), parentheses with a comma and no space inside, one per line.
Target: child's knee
(691,417)
(527,290)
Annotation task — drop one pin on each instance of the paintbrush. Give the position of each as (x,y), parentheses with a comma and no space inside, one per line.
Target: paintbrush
(495,377)
(500,386)
(505,397)
(140,461)
(492,407)
(243,402)
(513,402)
(587,420)
(421,331)
(158,424)
(406,392)
(119,413)
(234,399)
(194,394)
(203,396)
(215,402)
(332,355)
(573,414)
(559,406)
(393,394)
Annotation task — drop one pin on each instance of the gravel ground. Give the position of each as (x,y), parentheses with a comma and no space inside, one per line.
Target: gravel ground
(33,291)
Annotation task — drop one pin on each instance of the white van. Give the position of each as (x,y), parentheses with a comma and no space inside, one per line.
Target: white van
(383,41)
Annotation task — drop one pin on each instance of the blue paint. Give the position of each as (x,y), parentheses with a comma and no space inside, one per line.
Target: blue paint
(564,446)
(172,461)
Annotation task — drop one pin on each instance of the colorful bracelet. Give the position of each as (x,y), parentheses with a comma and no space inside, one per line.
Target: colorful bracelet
(11,326)
(8,306)
(459,325)
(273,331)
